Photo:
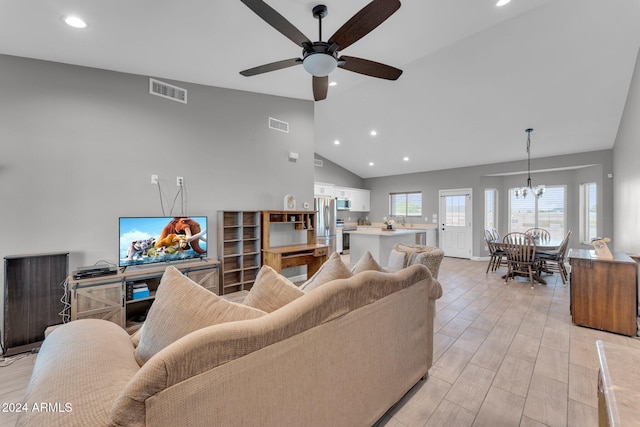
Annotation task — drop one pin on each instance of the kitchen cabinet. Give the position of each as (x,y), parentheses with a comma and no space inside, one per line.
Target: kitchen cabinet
(360,200)
(342,192)
(321,189)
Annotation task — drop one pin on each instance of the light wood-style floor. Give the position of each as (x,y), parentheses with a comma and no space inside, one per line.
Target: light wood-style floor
(504,355)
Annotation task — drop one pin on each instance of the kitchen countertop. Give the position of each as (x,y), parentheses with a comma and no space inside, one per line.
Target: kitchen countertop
(387,233)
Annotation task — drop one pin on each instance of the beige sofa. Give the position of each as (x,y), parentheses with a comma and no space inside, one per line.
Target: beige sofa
(339,355)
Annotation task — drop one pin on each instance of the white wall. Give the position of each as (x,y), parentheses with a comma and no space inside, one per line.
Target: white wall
(78,147)
(626,162)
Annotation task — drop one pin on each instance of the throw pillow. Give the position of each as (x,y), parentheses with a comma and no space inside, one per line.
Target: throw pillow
(182,306)
(366,262)
(271,291)
(397,260)
(333,269)
(411,250)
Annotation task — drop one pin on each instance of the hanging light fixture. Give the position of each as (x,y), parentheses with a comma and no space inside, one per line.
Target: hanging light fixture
(539,190)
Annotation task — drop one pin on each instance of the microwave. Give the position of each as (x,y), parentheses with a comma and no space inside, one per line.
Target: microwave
(343,204)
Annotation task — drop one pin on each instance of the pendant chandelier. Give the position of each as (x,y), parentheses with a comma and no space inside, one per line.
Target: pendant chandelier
(528,189)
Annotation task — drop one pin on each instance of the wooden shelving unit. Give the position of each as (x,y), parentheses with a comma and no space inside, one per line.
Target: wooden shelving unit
(301,220)
(239,243)
(280,257)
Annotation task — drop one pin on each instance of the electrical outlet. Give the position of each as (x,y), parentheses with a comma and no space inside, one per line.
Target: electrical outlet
(179,181)
(305,205)
(154,179)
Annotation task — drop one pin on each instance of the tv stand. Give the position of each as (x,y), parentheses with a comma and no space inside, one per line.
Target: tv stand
(106,297)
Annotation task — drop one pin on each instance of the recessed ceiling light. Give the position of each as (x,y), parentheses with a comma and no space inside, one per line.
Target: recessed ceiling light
(370,163)
(75,22)
(337,142)
(406,159)
(502,2)
(374,133)
(333,83)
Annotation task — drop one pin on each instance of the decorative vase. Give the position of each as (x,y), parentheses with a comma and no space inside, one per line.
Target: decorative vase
(389,227)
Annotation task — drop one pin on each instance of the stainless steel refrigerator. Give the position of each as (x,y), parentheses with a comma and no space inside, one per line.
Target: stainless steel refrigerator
(326,222)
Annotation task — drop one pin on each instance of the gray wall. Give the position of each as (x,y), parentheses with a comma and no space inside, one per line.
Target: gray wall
(78,147)
(332,173)
(476,178)
(627,173)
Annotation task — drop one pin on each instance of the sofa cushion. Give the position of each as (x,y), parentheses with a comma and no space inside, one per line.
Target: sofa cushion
(397,260)
(366,262)
(271,291)
(333,269)
(411,250)
(182,306)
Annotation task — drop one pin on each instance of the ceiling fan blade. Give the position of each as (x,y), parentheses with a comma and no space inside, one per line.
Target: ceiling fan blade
(271,67)
(320,87)
(363,22)
(277,21)
(370,68)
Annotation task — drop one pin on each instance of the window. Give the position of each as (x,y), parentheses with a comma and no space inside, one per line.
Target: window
(588,215)
(547,212)
(405,204)
(490,208)
(455,210)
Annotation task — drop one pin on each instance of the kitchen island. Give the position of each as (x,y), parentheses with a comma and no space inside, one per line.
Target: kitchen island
(380,242)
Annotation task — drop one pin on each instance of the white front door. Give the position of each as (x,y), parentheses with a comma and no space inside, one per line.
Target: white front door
(456,224)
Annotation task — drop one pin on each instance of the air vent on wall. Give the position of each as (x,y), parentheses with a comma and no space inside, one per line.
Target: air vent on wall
(165,90)
(317,162)
(278,125)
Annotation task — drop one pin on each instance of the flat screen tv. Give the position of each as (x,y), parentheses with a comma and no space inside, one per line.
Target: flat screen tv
(148,240)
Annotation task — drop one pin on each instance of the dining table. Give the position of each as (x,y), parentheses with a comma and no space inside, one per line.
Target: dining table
(541,245)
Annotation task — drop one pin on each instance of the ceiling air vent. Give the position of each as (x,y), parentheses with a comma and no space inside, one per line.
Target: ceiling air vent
(278,125)
(317,162)
(165,90)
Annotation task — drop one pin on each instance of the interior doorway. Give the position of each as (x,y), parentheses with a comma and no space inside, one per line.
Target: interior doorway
(456,222)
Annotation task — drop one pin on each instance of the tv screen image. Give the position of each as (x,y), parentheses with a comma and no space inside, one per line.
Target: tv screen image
(148,240)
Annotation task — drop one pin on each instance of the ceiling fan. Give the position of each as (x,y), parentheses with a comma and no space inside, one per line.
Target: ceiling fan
(321,58)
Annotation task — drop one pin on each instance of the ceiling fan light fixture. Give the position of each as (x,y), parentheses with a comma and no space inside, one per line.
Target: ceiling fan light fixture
(319,64)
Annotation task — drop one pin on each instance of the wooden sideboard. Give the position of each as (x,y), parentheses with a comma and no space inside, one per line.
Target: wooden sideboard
(604,291)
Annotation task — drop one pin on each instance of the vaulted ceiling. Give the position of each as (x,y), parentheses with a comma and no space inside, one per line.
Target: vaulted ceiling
(475,75)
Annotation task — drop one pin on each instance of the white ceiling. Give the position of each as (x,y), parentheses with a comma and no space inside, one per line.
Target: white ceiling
(475,75)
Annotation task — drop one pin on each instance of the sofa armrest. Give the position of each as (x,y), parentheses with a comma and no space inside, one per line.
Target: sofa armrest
(82,367)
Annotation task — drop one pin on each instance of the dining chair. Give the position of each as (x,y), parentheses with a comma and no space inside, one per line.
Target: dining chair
(520,249)
(498,255)
(539,233)
(496,235)
(551,261)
